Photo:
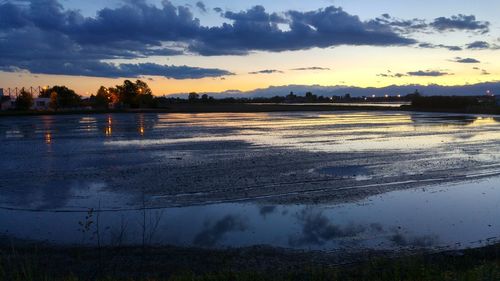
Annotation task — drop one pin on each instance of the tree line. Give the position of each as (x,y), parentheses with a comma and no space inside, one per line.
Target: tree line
(60,97)
(128,95)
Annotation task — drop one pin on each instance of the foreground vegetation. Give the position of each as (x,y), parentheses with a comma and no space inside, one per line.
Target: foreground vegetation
(155,264)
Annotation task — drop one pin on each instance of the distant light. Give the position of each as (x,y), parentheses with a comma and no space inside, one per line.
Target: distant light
(48,138)
(386,96)
(399,96)
(373,96)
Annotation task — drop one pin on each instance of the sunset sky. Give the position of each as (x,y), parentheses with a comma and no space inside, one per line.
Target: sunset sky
(217,45)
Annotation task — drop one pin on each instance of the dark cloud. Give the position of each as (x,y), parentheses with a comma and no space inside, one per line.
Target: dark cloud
(201,6)
(466,60)
(441,24)
(428,73)
(403,26)
(266,71)
(257,30)
(483,71)
(255,14)
(391,74)
(42,37)
(61,39)
(214,233)
(440,46)
(218,10)
(102,69)
(311,68)
(461,22)
(478,45)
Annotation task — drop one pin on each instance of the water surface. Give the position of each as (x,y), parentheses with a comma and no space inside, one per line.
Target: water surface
(300,180)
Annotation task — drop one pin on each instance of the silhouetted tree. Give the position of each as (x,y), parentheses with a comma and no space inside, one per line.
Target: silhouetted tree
(310,97)
(144,96)
(25,100)
(193,97)
(62,97)
(127,93)
(102,98)
(135,95)
(53,101)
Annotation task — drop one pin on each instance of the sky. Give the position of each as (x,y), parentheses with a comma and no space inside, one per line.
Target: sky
(181,46)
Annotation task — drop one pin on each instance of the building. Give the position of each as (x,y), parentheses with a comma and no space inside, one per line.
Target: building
(7,103)
(41,104)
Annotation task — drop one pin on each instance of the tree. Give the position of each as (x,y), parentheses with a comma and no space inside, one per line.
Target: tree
(145,96)
(54,104)
(25,100)
(127,93)
(102,98)
(204,97)
(193,97)
(62,97)
(310,97)
(136,94)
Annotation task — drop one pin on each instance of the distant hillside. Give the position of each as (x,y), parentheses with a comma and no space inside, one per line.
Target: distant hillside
(465,90)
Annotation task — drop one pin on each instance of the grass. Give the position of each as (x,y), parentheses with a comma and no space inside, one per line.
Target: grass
(178,264)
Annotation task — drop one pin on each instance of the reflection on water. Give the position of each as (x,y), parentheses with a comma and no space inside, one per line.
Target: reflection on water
(320,131)
(48,138)
(430,218)
(58,167)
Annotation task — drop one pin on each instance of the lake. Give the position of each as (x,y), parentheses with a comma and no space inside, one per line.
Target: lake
(322,181)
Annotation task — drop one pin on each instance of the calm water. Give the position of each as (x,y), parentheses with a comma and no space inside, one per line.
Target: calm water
(299,180)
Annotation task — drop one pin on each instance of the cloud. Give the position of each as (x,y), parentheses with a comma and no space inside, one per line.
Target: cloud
(63,42)
(479,45)
(466,60)
(461,22)
(391,74)
(311,68)
(266,71)
(403,26)
(257,30)
(483,71)
(201,6)
(110,70)
(421,73)
(440,46)
(428,73)
(441,24)
(61,39)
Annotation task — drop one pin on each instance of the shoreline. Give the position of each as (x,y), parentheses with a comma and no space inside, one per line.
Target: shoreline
(256,108)
(207,108)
